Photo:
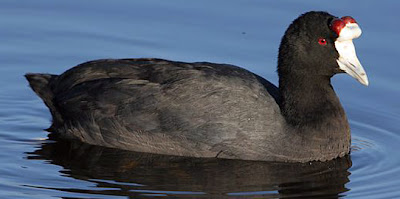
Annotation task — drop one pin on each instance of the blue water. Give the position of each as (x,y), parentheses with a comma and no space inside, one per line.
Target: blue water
(51,36)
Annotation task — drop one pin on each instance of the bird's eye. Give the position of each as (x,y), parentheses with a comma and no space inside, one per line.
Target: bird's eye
(322,41)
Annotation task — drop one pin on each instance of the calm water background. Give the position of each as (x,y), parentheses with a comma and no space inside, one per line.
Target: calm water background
(49,36)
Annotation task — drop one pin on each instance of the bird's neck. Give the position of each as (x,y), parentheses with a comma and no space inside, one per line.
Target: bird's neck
(315,120)
(309,100)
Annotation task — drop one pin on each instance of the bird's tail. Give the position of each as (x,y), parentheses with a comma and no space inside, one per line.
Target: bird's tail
(40,83)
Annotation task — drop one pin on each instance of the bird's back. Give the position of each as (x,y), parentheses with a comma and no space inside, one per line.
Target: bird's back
(159,106)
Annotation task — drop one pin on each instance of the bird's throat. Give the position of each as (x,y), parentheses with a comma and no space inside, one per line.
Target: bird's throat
(309,101)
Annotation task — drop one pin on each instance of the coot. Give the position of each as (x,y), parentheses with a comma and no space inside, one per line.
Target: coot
(206,109)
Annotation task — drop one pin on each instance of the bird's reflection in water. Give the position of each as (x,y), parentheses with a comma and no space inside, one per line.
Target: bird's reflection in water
(142,175)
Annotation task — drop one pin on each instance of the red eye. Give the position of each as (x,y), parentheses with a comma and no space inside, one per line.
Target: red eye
(322,41)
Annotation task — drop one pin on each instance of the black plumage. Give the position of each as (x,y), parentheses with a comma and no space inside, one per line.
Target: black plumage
(205,109)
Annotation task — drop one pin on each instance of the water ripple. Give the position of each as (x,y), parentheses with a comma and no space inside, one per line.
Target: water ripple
(375,172)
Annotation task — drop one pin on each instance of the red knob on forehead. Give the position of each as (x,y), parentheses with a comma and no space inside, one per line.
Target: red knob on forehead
(348,19)
(337,25)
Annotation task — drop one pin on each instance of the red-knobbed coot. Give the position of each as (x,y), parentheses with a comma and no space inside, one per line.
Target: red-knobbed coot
(206,109)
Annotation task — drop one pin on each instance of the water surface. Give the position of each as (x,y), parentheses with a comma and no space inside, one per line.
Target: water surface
(48,36)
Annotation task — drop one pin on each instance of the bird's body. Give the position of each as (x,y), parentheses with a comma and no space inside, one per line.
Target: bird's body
(200,109)
(153,105)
